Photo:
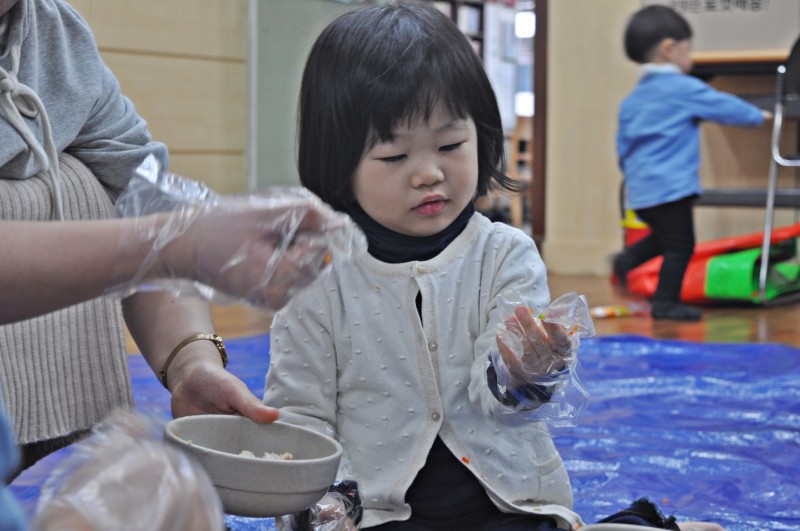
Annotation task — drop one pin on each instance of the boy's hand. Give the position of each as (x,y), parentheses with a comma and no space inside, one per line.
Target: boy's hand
(546,347)
(767,115)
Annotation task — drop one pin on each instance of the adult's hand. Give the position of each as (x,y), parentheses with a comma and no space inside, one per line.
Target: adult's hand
(201,386)
(261,248)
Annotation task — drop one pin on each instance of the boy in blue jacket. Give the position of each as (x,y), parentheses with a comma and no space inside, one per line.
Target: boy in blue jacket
(659,149)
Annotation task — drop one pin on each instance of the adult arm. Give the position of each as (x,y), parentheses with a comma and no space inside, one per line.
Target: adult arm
(199,384)
(239,246)
(112,142)
(230,246)
(48,266)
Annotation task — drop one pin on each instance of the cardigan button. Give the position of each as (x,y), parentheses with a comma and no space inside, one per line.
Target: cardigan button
(433,346)
(435,416)
(421,269)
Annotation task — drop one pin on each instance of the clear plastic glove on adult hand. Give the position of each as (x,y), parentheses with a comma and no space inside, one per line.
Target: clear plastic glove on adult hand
(259,248)
(125,477)
(533,372)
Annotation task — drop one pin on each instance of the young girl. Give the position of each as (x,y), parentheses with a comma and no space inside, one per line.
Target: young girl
(399,127)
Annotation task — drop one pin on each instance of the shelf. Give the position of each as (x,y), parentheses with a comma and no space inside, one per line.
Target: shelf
(745,197)
(737,62)
(468,16)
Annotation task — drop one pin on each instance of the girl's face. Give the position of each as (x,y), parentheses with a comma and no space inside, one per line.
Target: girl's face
(419,182)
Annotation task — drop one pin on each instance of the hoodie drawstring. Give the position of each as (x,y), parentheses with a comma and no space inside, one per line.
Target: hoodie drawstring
(18,99)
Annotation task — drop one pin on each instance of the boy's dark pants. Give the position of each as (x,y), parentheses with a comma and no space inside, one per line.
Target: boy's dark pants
(672,226)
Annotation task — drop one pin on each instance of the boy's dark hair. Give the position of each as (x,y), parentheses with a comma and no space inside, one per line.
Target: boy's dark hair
(375,67)
(651,25)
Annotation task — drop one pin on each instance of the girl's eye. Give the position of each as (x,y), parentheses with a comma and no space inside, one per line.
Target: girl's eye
(451,147)
(395,158)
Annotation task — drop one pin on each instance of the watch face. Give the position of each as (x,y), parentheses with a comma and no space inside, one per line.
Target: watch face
(222,351)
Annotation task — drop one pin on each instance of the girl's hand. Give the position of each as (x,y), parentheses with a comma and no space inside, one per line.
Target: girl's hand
(331,511)
(545,347)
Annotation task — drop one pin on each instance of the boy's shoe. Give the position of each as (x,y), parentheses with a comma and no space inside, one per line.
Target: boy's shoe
(621,266)
(675,311)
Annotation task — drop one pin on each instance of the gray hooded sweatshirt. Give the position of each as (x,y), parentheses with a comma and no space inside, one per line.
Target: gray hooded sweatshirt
(69,142)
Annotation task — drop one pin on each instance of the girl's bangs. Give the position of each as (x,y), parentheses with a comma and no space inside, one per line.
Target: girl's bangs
(402,99)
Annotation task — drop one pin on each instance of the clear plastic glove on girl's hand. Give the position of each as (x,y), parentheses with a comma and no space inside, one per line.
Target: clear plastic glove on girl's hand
(261,248)
(125,477)
(533,373)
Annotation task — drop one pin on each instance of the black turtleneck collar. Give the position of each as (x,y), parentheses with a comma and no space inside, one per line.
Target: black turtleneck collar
(392,247)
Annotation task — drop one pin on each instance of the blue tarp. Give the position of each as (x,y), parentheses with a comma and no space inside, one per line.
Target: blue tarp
(707,431)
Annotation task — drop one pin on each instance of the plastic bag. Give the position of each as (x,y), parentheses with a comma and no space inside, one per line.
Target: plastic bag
(261,248)
(125,478)
(536,378)
(339,510)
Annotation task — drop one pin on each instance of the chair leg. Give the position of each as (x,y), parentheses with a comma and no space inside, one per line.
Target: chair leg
(767,239)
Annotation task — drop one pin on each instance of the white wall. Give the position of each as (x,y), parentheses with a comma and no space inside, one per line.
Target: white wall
(743,25)
(286,31)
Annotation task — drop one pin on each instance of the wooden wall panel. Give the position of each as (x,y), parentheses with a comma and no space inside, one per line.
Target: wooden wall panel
(189,104)
(205,28)
(183,65)
(84,7)
(587,77)
(223,173)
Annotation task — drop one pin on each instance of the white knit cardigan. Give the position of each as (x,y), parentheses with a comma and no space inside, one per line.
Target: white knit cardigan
(352,357)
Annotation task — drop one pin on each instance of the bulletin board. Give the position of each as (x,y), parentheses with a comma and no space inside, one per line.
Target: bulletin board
(769,27)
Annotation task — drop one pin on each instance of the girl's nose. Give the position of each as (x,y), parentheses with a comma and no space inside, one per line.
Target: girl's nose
(427,174)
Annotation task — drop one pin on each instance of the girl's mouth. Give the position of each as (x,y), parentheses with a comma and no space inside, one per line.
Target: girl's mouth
(432,206)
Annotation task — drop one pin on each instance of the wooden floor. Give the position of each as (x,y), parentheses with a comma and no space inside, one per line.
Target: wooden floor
(740,324)
(779,323)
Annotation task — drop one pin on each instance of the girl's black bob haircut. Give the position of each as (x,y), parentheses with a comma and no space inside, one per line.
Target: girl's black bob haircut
(651,25)
(376,66)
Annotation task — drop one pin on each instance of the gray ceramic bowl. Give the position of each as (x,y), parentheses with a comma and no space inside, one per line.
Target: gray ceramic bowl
(254,486)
